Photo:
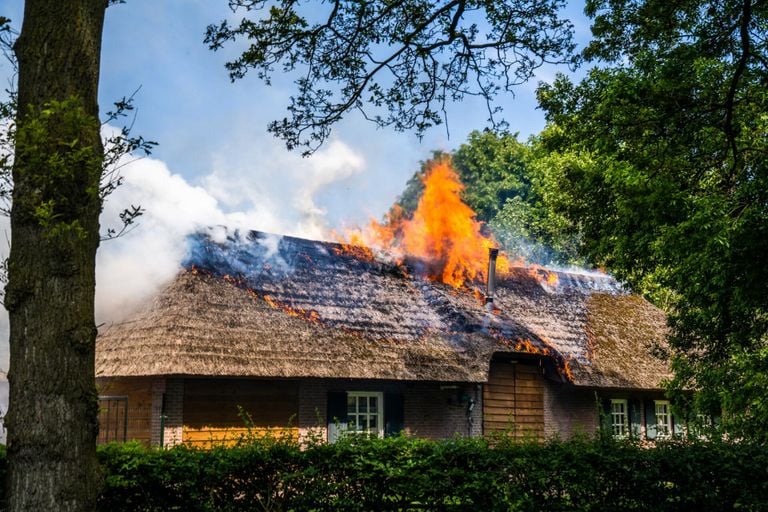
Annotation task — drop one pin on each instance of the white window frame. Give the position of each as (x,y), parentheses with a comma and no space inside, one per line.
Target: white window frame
(379,412)
(663,419)
(619,429)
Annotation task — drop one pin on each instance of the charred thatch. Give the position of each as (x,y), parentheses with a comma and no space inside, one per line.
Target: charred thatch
(606,334)
(265,306)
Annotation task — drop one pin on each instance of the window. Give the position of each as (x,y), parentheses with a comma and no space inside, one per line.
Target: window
(372,412)
(365,413)
(619,418)
(663,418)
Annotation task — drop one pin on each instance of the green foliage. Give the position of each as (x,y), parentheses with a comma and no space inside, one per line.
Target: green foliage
(60,193)
(401,473)
(544,225)
(69,121)
(664,155)
(54,140)
(494,168)
(509,186)
(399,63)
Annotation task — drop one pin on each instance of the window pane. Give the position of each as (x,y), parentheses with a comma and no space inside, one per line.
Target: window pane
(663,418)
(364,409)
(619,419)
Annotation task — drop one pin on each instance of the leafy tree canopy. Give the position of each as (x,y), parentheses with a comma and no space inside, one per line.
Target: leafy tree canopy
(663,162)
(494,168)
(398,63)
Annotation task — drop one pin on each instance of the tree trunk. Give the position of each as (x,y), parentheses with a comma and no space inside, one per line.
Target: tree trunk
(52,418)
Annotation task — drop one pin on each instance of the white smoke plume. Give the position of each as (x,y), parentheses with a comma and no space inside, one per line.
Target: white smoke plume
(272,192)
(267,189)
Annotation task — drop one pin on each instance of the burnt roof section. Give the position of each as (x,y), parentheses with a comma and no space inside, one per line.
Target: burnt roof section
(275,306)
(610,337)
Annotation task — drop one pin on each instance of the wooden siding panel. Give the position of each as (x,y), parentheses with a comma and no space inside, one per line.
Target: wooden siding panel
(222,411)
(513,400)
(139,394)
(208,437)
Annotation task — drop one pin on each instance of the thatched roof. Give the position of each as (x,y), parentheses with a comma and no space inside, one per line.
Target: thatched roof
(610,338)
(266,306)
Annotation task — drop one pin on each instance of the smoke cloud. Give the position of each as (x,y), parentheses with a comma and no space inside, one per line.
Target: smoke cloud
(262,188)
(282,187)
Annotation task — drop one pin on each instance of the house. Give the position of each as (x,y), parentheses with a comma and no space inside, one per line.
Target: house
(303,338)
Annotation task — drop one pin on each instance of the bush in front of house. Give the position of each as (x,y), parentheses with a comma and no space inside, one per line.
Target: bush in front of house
(403,473)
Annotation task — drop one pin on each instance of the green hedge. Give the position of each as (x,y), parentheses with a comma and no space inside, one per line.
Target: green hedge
(461,474)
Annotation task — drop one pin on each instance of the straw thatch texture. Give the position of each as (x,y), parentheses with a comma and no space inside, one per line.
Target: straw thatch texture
(268,306)
(610,338)
(203,325)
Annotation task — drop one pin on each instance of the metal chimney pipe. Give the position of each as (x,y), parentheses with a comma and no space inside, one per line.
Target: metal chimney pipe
(491,283)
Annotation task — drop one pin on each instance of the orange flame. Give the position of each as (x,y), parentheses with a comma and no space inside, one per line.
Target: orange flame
(525,345)
(355,247)
(307,314)
(443,233)
(566,369)
(552,279)
(543,275)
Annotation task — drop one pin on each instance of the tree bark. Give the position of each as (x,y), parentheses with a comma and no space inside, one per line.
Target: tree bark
(52,418)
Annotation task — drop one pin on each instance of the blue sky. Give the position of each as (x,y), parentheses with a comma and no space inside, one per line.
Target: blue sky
(204,123)
(216,164)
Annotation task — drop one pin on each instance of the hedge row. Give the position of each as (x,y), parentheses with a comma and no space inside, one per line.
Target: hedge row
(461,474)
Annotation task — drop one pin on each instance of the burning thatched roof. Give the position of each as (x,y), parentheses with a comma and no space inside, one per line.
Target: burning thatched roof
(267,306)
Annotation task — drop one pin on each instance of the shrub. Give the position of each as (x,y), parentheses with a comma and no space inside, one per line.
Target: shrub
(401,473)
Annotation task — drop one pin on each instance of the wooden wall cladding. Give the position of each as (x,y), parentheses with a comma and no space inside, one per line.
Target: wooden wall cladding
(112,415)
(212,410)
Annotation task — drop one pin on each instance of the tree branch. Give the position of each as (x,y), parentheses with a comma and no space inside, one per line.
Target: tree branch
(741,66)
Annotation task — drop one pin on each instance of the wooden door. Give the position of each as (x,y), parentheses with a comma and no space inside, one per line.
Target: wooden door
(513,400)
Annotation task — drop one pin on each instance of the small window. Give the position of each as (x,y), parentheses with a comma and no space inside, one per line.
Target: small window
(619,418)
(663,419)
(365,413)
(701,427)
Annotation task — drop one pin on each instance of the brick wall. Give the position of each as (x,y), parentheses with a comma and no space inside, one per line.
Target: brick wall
(435,413)
(221,411)
(432,410)
(158,390)
(313,404)
(174,411)
(429,411)
(569,410)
